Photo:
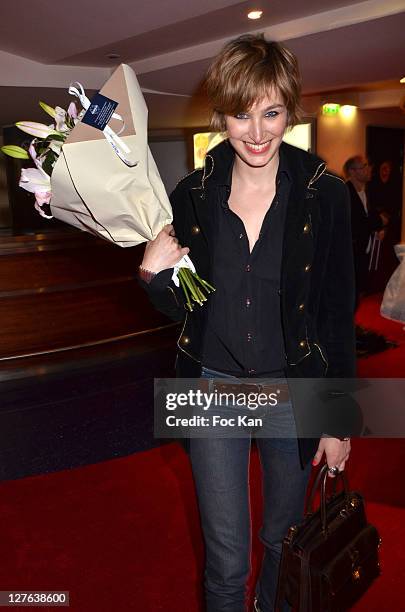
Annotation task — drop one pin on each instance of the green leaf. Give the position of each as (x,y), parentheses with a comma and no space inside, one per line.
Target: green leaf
(59,137)
(15,151)
(47,164)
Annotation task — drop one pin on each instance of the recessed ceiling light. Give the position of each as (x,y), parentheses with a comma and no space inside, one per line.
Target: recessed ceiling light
(402,80)
(113,55)
(255,14)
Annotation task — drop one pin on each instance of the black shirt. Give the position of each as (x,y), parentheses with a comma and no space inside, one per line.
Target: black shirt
(244,330)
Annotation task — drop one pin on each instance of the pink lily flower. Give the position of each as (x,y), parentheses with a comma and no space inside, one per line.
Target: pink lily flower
(35,180)
(72,110)
(39,130)
(42,197)
(41,212)
(33,153)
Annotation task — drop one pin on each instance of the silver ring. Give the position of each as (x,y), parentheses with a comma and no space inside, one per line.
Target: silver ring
(334,470)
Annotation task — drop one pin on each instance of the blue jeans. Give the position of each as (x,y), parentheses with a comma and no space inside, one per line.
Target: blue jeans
(220,468)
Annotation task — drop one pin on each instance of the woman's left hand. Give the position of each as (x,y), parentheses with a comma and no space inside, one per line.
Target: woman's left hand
(337,453)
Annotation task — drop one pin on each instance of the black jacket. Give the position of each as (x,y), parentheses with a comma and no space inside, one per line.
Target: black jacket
(317,276)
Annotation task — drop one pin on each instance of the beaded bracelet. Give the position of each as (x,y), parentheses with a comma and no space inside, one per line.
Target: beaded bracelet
(146,275)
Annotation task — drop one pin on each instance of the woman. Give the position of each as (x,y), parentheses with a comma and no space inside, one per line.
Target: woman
(270,228)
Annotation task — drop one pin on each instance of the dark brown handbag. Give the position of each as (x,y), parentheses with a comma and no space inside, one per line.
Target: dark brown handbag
(329,559)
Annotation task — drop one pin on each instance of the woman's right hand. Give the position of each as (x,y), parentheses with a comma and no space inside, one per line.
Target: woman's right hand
(163,252)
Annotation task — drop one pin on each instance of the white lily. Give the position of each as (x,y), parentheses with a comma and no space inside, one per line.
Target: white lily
(43,197)
(39,130)
(35,180)
(41,212)
(60,119)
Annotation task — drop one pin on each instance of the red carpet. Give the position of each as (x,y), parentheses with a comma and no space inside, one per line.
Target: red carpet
(124,534)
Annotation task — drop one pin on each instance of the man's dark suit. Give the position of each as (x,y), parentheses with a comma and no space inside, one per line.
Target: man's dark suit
(363,226)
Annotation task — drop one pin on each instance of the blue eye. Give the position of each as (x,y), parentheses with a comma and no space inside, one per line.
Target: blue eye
(270,114)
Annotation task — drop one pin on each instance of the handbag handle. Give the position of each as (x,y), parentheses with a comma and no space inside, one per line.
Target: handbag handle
(323,472)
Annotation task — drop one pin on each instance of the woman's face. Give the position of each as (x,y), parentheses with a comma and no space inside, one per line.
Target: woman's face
(257,134)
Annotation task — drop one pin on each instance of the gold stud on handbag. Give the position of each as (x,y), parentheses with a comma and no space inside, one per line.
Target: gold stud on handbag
(329,559)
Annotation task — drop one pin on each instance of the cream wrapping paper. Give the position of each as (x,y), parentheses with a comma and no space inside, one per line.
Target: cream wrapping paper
(95,191)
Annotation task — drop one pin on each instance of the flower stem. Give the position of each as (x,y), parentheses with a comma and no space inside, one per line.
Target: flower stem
(184,287)
(204,282)
(191,286)
(194,287)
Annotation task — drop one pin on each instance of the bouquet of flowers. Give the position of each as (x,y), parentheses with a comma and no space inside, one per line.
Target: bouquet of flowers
(44,151)
(102,180)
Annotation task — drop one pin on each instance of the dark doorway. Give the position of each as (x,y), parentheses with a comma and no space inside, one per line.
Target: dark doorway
(385,151)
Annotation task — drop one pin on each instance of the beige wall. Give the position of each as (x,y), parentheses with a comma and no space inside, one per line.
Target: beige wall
(339,138)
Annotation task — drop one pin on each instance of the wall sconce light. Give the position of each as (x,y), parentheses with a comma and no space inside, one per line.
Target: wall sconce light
(348,110)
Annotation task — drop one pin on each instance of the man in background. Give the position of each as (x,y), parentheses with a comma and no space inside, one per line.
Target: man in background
(365,220)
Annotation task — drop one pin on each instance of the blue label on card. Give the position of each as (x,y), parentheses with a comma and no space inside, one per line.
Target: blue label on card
(100,111)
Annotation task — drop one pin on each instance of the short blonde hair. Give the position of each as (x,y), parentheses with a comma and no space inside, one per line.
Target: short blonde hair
(245,71)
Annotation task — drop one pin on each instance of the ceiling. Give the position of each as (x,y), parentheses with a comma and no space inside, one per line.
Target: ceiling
(341,46)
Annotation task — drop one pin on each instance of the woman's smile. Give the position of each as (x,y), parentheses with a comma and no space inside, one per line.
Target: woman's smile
(258,149)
